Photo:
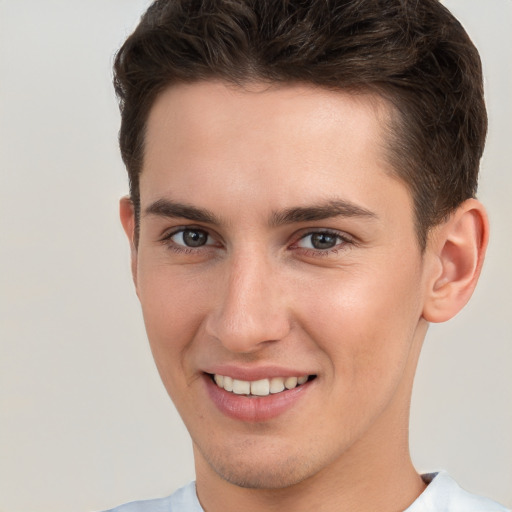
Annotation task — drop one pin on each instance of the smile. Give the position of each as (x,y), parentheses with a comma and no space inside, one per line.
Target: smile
(257,399)
(262,387)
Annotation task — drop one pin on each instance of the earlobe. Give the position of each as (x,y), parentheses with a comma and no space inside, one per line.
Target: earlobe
(457,249)
(127,215)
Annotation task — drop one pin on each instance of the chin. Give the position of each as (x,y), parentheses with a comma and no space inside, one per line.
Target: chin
(261,478)
(262,471)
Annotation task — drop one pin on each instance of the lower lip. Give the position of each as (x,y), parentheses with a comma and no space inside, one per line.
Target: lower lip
(255,409)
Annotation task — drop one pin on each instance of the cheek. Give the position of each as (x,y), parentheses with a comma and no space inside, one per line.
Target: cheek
(363,321)
(170,295)
(173,309)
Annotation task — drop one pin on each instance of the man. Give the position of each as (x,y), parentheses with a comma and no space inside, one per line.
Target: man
(302,205)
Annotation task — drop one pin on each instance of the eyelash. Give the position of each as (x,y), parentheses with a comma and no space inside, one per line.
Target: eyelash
(344,241)
(182,249)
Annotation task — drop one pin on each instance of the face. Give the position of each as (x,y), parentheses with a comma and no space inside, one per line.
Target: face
(280,278)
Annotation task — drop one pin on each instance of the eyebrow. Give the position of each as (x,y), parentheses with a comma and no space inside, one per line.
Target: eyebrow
(167,208)
(330,209)
(334,208)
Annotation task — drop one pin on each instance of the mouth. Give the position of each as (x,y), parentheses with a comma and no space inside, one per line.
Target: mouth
(259,394)
(261,387)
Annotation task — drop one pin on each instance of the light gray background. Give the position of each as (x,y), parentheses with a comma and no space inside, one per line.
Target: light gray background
(84,421)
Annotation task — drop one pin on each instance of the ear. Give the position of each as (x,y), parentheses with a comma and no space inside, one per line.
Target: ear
(456,251)
(127,214)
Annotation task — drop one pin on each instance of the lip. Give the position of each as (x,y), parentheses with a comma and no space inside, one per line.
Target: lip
(254,372)
(255,409)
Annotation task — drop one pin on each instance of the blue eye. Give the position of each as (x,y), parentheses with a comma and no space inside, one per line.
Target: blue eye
(320,241)
(191,238)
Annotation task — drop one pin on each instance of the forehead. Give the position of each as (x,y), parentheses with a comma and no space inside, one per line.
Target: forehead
(214,112)
(266,144)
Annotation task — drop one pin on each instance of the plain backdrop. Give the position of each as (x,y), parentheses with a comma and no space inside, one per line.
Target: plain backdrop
(85,423)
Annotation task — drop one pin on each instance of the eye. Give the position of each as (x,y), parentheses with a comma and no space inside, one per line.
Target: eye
(191,238)
(320,241)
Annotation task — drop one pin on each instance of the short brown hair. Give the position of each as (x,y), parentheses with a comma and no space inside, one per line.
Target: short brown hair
(413,53)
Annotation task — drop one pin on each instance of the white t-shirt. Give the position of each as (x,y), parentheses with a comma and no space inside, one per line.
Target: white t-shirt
(444,495)
(441,495)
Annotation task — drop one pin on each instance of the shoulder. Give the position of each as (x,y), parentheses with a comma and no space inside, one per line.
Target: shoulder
(183,500)
(443,494)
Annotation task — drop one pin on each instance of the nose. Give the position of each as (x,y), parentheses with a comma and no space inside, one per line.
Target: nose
(250,309)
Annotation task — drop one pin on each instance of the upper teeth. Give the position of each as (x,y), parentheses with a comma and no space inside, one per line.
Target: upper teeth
(261,387)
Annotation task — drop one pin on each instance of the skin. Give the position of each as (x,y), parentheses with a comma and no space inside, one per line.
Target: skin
(259,293)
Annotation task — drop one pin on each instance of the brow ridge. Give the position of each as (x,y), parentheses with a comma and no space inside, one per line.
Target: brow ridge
(166,208)
(333,208)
